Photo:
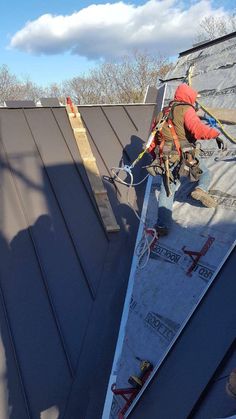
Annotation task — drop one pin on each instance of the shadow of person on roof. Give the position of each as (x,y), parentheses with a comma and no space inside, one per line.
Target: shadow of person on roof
(12,393)
(139,174)
(33,360)
(126,188)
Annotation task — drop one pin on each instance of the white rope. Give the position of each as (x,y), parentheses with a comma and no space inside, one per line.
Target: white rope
(143,248)
(127,169)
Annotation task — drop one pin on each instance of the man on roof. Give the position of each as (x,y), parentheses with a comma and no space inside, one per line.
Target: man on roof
(175,153)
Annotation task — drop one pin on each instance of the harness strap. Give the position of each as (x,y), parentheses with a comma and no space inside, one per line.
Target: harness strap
(158,139)
(161,145)
(175,137)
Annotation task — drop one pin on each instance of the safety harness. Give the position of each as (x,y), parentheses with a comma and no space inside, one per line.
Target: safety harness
(171,165)
(169,121)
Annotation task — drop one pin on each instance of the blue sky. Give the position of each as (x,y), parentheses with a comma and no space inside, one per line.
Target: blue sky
(67,38)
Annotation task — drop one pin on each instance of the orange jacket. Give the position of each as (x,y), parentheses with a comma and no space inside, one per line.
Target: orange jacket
(192,123)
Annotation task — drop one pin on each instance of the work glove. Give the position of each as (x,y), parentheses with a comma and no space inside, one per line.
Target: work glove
(220,143)
(210,121)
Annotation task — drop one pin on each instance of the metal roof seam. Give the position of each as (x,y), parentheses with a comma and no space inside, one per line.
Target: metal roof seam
(98,151)
(15,354)
(42,271)
(81,178)
(91,290)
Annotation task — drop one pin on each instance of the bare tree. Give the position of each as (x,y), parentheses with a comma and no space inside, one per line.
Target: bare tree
(119,82)
(30,90)
(9,85)
(212,27)
(124,81)
(54,90)
(82,90)
(12,88)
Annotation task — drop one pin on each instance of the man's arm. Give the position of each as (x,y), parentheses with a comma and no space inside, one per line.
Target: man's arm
(197,128)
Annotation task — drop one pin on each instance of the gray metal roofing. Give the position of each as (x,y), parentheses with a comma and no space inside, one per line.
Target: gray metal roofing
(62,277)
(20,103)
(215,400)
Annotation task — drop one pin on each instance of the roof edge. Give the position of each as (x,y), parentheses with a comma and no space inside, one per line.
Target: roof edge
(208,43)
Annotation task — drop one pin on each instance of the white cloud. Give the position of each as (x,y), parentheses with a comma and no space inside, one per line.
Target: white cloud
(111,30)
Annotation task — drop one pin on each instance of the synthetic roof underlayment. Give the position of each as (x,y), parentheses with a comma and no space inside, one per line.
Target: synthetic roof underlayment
(62,276)
(162,296)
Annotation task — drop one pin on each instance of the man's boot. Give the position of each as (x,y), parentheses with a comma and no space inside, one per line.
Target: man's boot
(204,198)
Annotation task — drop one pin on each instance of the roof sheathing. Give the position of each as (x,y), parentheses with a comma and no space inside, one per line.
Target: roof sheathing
(214,77)
(193,360)
(214,73)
